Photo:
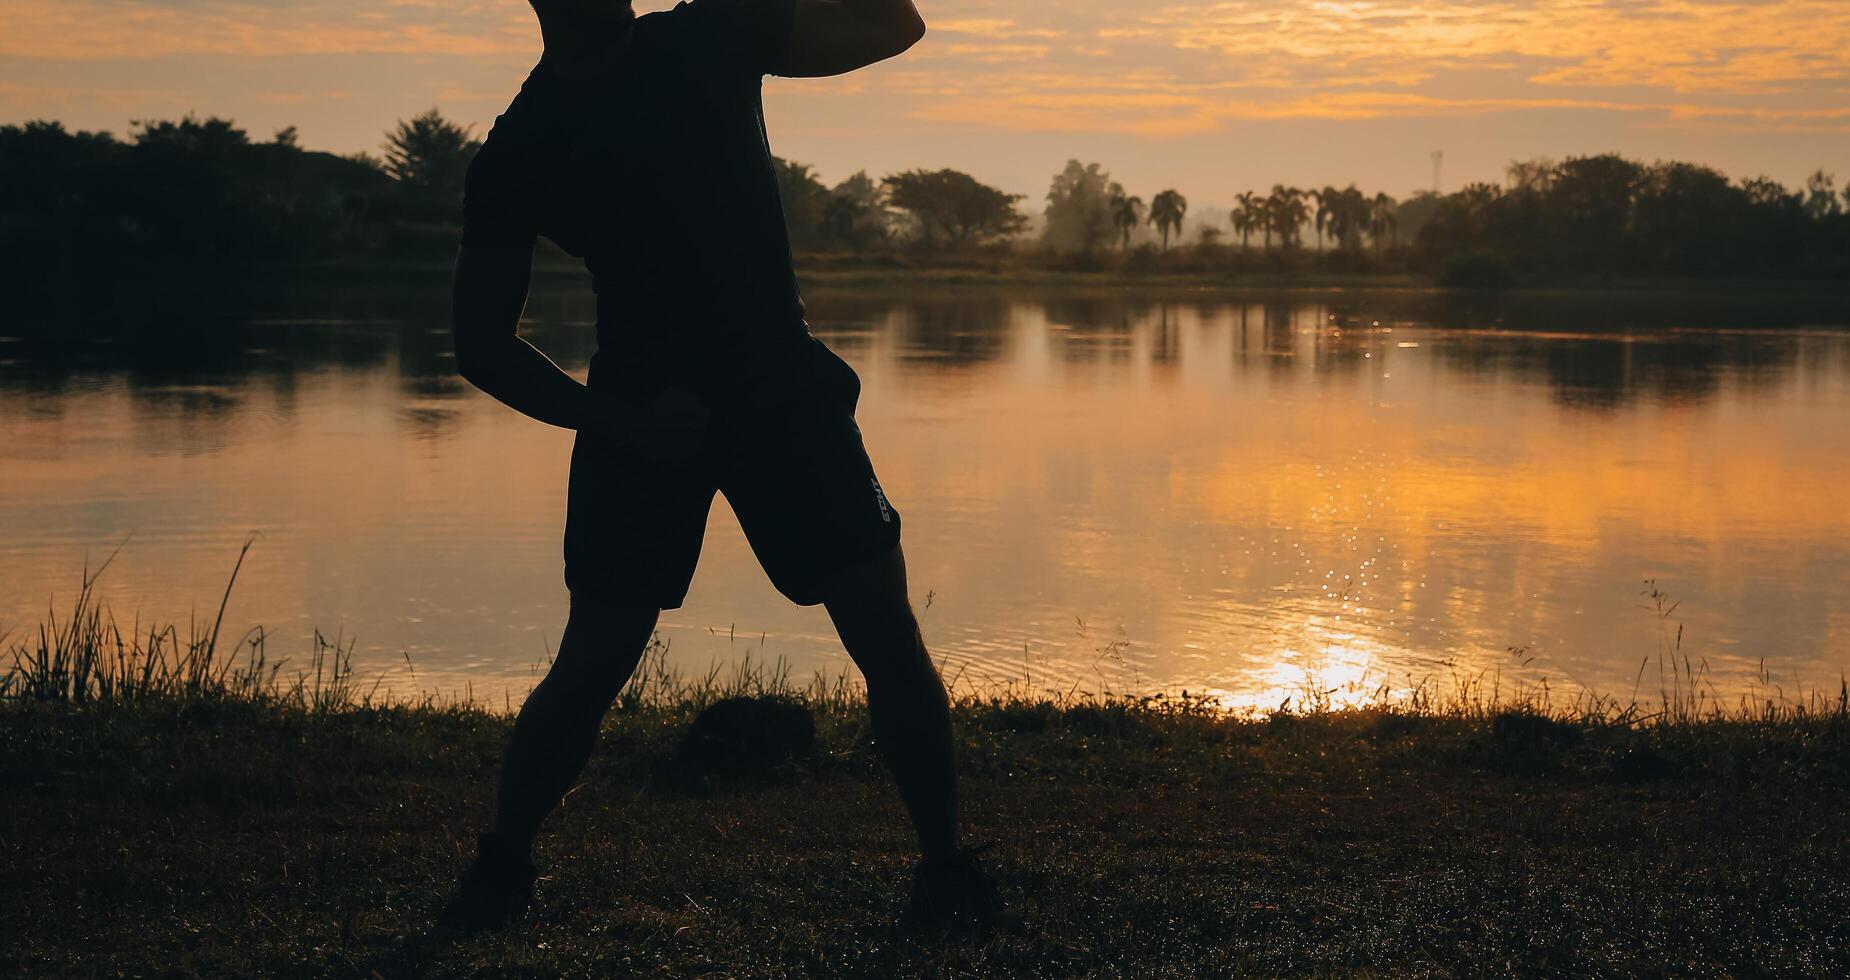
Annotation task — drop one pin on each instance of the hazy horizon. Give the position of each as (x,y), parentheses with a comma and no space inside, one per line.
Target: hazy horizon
(1209,98)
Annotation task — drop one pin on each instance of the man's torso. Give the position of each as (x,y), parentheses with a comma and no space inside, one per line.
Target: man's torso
(658,174)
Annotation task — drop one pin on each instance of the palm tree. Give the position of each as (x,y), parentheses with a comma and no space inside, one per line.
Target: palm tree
(1126,215)
(1287,212)
(1166,212)
(1326,208)
(1246,216)
(1348,216)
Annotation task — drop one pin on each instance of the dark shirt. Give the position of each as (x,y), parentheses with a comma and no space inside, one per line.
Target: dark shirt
(658,174)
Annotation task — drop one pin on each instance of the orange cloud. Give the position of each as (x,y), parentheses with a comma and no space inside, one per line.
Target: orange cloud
(990,27)
(1682,45)
(1110,67)
(1192,68)
(87,30)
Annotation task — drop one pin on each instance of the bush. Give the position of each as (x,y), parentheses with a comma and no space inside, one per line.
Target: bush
(1143,258)
(1477,270)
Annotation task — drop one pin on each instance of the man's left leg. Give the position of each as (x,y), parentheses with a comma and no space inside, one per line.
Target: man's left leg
(804,490)
(912,729)
(906,698)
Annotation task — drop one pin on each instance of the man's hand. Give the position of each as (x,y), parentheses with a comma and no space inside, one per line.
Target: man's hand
(834,37)
(669,429)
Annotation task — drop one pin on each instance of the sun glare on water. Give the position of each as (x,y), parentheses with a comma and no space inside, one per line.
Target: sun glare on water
(1348,672)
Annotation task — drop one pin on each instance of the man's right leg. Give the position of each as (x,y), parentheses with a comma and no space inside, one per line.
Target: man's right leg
(633,530)
(558,725)
(552,740)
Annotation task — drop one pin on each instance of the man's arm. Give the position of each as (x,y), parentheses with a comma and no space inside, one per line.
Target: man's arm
(490,291)
(834,37)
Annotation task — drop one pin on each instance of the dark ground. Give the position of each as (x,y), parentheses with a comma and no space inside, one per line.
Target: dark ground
(237,839)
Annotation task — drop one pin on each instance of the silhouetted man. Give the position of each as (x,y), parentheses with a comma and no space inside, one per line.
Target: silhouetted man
(638,144)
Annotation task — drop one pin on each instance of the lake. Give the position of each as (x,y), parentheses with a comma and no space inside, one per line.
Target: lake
(1248,495)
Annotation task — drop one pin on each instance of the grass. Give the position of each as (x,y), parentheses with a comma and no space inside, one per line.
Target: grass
(179,804)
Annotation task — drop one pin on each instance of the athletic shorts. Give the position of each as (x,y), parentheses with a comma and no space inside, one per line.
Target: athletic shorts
(793,468)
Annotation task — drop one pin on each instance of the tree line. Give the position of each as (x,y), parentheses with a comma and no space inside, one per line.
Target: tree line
(1584,216)
(202,192)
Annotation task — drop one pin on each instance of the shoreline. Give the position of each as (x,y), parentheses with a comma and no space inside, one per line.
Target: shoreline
(220,836)
(210,812)
(856,274)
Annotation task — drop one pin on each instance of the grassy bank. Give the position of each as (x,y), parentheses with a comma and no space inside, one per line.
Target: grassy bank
(179,804)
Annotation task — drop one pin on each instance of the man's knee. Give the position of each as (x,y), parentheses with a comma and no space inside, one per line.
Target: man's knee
(871,593)
(892,655)
(874,618)
(896,640)
(604,639)
(606,611)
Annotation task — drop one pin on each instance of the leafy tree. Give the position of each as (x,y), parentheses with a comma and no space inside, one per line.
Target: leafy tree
(1684,216)
(1589,203)
(1535,174)
(1459,222)
(1766,192)
(857,214)
(1383,221)
(183,189)
(1079,212)
(429,155)
(1777,228)
(1167,210)
(1821,195)
(951,208)
(1413,213)
(214,137)
(805,200)
(61,200)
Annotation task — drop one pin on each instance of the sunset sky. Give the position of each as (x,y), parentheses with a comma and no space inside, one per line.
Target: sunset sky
(1209,97)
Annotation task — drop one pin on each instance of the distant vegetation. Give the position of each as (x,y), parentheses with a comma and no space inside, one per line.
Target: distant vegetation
(202,195)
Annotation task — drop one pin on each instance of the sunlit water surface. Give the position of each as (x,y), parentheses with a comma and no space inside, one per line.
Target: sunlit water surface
(1252,496)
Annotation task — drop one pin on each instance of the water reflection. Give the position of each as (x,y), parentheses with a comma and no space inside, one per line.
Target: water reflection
(1250,495)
